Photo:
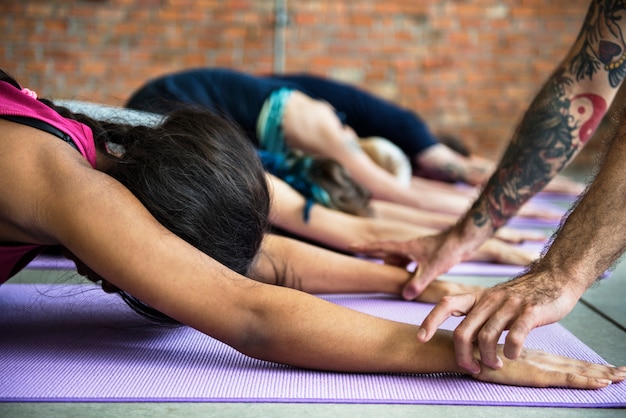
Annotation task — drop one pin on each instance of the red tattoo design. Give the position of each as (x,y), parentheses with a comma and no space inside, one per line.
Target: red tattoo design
(588,109)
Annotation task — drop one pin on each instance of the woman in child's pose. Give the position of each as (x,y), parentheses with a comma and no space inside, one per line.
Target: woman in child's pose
(128,226)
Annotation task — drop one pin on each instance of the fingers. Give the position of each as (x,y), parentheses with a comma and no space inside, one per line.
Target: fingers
(391,252)
(417,284)
(488,338)
(518,236)
(541,369)
(514,341)
(532,211)
(560,371)
(465,335)
(497,251)
(485,322)
(488,315)
(447,307)
(546,370)
(428,269)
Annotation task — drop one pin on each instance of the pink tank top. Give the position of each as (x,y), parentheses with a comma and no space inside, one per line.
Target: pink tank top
(15,256)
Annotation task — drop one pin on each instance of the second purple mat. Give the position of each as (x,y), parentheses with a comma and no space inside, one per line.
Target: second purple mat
(76,343)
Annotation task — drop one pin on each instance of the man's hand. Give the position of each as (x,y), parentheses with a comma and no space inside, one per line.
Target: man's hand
(518,236)
(519,305)
(434,255)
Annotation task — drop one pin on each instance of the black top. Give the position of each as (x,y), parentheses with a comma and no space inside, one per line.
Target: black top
(240,97)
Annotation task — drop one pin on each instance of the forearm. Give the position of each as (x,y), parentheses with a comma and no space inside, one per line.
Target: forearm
(426,199)
(298,265)
(594,234)
(420,217)
(542,146)
(440,162)
(287,213)
(305,331)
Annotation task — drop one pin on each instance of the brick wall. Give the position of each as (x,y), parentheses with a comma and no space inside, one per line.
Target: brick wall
(469,67)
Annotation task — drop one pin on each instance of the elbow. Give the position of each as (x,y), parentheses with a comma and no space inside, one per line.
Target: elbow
(254,338)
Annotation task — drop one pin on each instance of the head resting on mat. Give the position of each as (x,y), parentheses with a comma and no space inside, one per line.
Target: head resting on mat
(200,178)
(197,174)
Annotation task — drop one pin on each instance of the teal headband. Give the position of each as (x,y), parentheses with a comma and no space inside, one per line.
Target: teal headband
(270,121)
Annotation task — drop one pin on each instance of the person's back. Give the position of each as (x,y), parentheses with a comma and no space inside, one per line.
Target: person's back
(235,95)
(367,114)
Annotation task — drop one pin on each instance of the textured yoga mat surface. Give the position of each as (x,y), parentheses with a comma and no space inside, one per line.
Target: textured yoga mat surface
(53,262)
(75,343)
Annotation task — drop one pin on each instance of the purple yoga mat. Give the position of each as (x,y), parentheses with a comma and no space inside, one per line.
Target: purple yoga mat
(69,343)
(51,262)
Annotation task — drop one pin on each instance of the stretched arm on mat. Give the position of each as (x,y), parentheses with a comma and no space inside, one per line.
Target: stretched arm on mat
(291,263)
(441,221)
(322,227)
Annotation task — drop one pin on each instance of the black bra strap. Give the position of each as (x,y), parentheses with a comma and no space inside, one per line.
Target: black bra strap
(43,126)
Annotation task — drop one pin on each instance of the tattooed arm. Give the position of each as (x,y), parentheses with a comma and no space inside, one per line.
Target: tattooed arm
(560,120)
(556,126)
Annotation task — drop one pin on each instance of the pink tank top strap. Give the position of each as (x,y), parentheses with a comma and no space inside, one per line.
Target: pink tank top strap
(14,102)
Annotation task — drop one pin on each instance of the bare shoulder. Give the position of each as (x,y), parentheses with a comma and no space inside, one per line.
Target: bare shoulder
(37,169)
(51,195)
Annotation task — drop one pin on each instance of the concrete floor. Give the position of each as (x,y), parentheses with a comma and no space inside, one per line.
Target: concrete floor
(599,320)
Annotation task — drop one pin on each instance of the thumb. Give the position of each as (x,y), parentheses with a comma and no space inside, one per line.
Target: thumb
(417,284)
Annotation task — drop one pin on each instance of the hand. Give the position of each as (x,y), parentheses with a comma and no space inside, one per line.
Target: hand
(517,236)
(440,288)
(434,254)
(540,369)
(479,170)
(519,305)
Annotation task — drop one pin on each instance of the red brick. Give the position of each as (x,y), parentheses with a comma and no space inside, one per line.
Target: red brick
(470,67)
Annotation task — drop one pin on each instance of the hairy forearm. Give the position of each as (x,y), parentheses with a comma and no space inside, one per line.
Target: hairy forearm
(594,234)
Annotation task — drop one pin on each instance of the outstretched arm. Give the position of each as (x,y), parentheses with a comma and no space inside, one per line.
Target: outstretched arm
(287,213)
(441,221)
(298,265)
(558,123)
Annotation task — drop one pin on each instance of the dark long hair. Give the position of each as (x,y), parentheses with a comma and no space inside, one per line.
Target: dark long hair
(197,174)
